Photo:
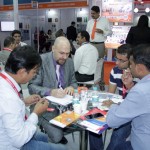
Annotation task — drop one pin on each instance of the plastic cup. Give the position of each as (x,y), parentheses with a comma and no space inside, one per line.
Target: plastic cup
(83,105)
(77,108)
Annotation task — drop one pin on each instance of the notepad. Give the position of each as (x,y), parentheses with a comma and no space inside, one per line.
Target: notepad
(61,101)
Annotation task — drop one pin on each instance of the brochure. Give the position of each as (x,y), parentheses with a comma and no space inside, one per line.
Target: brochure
(94,121)
(65,119)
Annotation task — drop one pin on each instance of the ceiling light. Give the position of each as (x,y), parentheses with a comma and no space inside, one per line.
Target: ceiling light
(147,10)
(136,10)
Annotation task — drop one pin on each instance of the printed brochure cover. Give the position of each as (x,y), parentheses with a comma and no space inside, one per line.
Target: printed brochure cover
(94,121)
(65,119)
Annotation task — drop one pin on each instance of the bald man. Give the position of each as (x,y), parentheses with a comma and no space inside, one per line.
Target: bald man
(56,78)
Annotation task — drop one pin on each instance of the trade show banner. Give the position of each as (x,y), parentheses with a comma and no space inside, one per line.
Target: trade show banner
(118,36)
(118,10)
(10,2)
(47,5)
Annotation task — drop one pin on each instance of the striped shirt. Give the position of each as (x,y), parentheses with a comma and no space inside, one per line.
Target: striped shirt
(115,78)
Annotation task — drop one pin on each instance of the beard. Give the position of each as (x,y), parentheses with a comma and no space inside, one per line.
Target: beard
(61,61)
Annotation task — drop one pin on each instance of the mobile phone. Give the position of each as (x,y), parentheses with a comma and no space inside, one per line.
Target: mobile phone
(94,116)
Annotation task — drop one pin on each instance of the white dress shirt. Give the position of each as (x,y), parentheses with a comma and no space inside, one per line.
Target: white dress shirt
(85,59)
(22,44)
(103,24)
(15,131)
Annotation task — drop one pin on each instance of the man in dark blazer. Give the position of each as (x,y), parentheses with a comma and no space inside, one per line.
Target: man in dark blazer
(71,32)
(57,83)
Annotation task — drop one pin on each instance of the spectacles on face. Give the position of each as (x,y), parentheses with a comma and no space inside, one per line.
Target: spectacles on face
(16,36)
(120,60)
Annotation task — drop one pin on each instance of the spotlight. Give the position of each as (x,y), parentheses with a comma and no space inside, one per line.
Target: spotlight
(147,10)
(136,10)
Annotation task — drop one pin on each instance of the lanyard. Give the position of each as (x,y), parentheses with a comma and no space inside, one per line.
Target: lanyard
(124,91)
(7,49)
(10,82)
(13,86)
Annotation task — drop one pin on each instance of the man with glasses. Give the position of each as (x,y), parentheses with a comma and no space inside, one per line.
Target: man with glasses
(122,63)
(120,134)
(135,108)
(16,34)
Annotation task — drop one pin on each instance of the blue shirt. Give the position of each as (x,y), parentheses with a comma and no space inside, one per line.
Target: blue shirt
(135,108)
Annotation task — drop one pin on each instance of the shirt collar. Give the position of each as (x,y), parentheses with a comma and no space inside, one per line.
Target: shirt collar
(97,19)
(84,43)
(145,78)
(13,81)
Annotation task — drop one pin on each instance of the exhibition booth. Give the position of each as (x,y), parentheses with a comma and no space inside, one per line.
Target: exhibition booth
(58,14)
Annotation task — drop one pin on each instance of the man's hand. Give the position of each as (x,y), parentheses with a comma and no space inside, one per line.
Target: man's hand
(69,90)
(32,99)
(108,103)
(127,79)
(59,93)
(41,106)
(99,31)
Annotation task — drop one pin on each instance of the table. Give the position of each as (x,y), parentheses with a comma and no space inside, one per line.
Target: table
(83,139)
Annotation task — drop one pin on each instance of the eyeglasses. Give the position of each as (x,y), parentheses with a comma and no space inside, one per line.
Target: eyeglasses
(120,60)
(16,36)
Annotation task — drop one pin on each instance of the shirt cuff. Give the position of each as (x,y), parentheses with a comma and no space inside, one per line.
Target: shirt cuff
(47,93)
(33,118)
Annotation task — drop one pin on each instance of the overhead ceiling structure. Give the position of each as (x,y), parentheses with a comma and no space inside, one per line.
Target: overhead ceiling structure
(142,1)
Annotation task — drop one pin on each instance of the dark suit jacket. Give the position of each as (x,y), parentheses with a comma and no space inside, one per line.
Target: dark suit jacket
(138,35)
(71,33)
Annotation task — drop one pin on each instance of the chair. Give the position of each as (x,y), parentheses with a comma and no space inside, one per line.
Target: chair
(97,74)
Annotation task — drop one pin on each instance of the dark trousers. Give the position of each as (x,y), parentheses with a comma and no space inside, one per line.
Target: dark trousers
(83,77)
(124,146)
(96,141)
(119,136)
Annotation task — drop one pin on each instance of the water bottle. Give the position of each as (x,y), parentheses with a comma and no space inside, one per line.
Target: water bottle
(95,92)
(83,100)
(95,97)
(76,97)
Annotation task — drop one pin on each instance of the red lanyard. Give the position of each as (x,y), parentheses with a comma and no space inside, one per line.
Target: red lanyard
(124,91)
(13,86)
(7,49)
(10,82)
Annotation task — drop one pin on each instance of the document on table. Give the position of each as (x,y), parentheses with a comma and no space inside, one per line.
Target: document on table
(61,101)
(96,125)
(65,119)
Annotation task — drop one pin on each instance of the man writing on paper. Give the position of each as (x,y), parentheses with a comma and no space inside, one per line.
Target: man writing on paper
(136,106)
(56,78)
(17,132)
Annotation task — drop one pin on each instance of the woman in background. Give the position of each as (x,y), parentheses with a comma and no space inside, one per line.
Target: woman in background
(139,34)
